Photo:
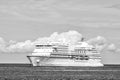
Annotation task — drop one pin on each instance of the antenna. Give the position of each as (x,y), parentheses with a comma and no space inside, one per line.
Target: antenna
(82,39)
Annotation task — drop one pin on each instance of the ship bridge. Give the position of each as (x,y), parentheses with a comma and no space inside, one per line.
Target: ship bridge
(84,48)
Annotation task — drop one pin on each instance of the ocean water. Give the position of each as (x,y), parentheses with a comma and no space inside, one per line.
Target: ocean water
(28,72)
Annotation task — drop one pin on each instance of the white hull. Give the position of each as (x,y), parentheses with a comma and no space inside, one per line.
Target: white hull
(48,61)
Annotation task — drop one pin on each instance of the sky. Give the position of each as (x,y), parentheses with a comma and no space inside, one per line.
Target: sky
(25,21)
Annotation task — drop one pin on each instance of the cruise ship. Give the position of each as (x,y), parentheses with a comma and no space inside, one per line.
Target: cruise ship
(60,54)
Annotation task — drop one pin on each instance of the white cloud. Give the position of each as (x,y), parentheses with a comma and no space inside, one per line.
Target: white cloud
(70,37)
(112,47)
(99,42)
(26,46)
(102,44)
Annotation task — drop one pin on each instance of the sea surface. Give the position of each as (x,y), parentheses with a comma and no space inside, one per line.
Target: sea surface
(28,72)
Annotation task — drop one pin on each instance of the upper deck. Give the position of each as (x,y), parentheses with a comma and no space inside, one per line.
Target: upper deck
(81,49)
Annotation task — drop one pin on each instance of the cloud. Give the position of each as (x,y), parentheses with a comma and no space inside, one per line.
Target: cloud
(70,37)
(26,46)
(102,44)
(112,47)
(13,46)
(99,42)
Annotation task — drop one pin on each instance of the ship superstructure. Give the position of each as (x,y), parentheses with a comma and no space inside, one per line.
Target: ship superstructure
(57,54)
